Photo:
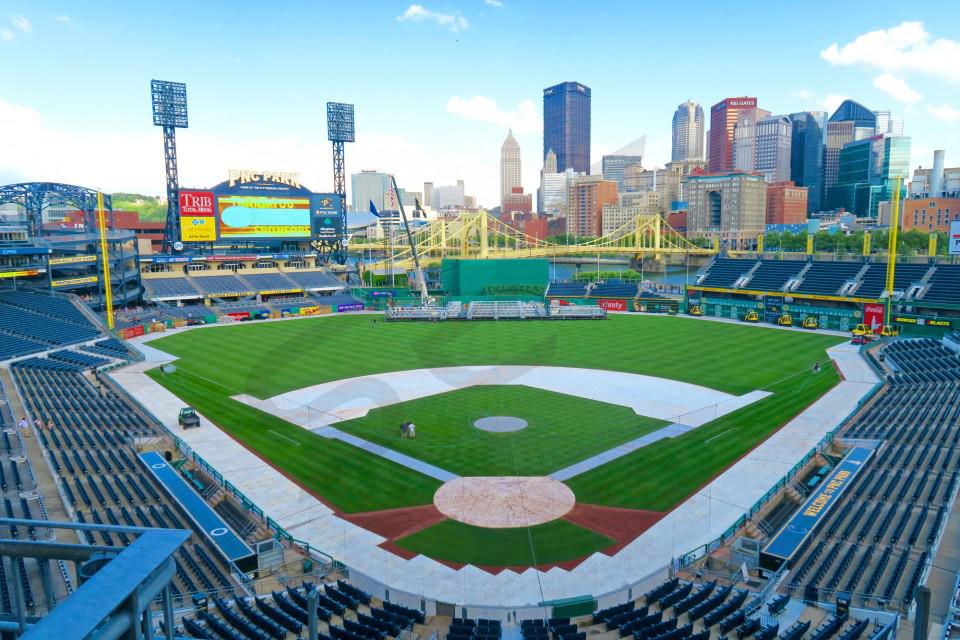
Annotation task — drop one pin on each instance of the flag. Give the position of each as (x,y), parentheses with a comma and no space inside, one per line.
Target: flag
(373,210)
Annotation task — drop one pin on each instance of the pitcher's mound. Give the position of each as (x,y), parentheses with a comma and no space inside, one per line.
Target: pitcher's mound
(504,502)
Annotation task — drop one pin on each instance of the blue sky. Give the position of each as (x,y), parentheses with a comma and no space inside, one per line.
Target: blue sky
(436,84)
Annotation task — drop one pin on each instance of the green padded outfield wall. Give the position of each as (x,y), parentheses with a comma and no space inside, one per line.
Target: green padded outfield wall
(469,277)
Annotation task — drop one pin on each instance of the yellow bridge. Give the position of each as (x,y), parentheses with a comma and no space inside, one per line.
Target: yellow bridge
(480,235)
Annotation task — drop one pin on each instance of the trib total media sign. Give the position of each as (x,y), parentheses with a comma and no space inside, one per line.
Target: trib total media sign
(198,222)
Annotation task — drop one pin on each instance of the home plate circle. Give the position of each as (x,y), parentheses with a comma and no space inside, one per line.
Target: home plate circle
(500,424)
(504,502)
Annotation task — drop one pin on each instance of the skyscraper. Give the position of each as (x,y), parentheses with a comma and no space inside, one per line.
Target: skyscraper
(723,118)
(867,171)
(773,148)
(851,121)
(370,186)
(509,166)
(806,154)
(687,132)
(566,125)
(731,208)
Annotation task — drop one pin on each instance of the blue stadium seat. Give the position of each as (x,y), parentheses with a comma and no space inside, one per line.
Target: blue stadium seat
(724,272)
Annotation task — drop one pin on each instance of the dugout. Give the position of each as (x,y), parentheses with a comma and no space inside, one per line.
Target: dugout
(465,277)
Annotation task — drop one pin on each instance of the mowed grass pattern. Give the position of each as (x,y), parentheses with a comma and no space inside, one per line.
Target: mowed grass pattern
(659,476)
(541,544)
(339,473)
(271,358)
(561,430)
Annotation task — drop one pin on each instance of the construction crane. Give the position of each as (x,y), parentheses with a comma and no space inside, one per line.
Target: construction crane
(424,296)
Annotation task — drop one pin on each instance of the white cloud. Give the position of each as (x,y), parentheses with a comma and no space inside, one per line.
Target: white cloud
(21,23)
(896,88)
(6,34)
(494,3)
(526,119)
(833,100)
(806,94)
(419,13)
(100,158)
(906,48)
(944,112)
(62,18)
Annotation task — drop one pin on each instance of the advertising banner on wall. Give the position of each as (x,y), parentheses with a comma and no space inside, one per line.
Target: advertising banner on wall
(873,316)
(953,243)
(612,305)
(198,221)
(772,308)
(69,282)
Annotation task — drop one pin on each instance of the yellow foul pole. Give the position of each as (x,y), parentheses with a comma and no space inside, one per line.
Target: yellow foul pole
(107,288)
(892,245)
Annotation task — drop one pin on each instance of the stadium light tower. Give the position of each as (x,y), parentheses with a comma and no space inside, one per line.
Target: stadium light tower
(340,129)
(170,112)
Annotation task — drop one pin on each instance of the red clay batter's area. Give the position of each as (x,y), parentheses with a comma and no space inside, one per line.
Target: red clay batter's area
(621,525)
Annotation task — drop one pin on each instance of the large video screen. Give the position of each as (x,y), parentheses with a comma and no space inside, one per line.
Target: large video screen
(252,217)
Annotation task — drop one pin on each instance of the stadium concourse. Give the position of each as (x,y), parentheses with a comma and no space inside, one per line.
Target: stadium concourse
(700,519)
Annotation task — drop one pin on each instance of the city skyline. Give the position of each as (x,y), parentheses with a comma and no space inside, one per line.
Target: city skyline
(241,114)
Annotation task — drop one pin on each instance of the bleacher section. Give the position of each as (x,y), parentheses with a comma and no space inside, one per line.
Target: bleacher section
(874,281)
(567,289)
(343,611)
(171,288)
(91,449)
(944,285)
(880,535)
(724,272)
(312,280)
(21,499)
(677,610)
(198,286)
(773,275)
(826,278)
(109,347)
(34,322)
(614,289)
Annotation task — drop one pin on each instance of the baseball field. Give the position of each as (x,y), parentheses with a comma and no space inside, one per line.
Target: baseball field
(615,501)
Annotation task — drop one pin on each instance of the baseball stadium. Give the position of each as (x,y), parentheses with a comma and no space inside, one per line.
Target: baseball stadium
(277,425)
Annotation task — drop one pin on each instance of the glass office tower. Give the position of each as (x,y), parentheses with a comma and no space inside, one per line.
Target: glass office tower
(566,125)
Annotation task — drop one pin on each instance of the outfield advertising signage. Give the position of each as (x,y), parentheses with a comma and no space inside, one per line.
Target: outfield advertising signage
(873,316)
(772,308)
(326,221)
(953,246)
(353,306)
(198,221)
(250,217)
(612,305)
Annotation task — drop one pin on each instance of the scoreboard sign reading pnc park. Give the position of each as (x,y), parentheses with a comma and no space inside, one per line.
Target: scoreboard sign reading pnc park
(242,176)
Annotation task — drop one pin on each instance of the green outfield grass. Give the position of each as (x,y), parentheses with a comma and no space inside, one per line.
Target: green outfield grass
(561,430)
(344,476)
(659,476)
(270,358)
(541,544)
